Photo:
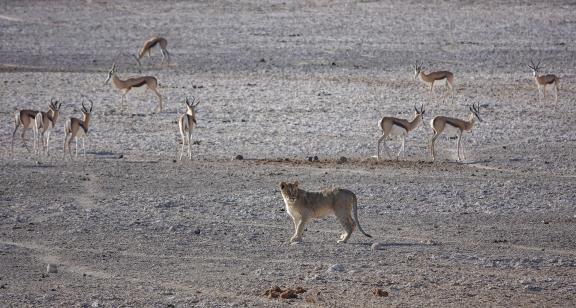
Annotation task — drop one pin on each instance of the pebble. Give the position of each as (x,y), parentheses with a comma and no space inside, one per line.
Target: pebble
(342,159)
(239,157)
(51,268)
(312,278)
(336,268)
(379,292)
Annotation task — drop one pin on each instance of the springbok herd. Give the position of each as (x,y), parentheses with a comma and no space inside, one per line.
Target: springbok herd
(74,128)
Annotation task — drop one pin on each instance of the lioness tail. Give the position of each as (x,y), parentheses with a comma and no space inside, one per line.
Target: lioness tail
(355,210)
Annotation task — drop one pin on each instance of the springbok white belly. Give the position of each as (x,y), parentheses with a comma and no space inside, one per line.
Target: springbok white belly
(396,131)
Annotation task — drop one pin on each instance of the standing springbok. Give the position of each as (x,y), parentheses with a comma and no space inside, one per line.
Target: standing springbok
(186,122)
(126,85)
(544,80)
(23,117)
(43,123)
(440,123)
(76,128)
(392,127)
(149,44)
(433,77)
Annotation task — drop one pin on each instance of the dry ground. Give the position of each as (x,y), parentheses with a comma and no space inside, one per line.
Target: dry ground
(281,81)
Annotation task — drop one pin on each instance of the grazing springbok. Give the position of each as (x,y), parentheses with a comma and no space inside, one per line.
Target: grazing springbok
(431,78)
(544,80)
(395,127)
(441,123)
(149,44)
(186,122)
(43,123)
(76,128)
(126,85)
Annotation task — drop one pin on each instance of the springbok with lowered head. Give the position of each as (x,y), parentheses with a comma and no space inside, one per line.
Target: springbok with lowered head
(393,127)
(76,128)
(441,123)
(431,78)
(544,80)
(186,123)
(126,85)
(43,123)
(149,44)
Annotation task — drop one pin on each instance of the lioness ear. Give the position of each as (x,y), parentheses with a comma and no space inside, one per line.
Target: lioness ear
(282,185)
(296,183)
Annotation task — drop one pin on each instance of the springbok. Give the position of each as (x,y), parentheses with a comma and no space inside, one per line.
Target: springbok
(392,127)
(186,122)
(148,45)
(440,123)
(433,77)
(544,80)
(126,85)
(43,123)
(76,128)
(23,117)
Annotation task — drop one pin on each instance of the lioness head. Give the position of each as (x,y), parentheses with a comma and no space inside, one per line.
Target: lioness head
(289,190)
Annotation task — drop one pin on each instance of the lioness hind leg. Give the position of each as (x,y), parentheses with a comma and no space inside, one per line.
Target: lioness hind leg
(348,224)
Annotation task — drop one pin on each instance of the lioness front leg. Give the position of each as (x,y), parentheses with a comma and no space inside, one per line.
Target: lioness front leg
(299,229)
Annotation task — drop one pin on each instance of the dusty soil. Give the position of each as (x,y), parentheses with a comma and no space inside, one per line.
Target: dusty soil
(281,81)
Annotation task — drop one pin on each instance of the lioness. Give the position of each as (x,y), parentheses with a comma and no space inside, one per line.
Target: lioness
(303,205)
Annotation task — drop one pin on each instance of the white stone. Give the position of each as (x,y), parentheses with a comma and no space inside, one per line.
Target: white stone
(51,268)
(336,268)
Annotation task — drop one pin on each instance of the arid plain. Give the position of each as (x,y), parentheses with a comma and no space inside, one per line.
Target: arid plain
(281,81)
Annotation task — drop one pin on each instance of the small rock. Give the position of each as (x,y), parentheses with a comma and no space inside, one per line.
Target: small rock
(342,160)
(312,278)
(299,290)
(51,268)
(336,268)
(174,228)
(121,156)
(378,246)
(288,294)
(379,292)
(239,157)
(309,158)
(316,158)
(197,231)
(431,242)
